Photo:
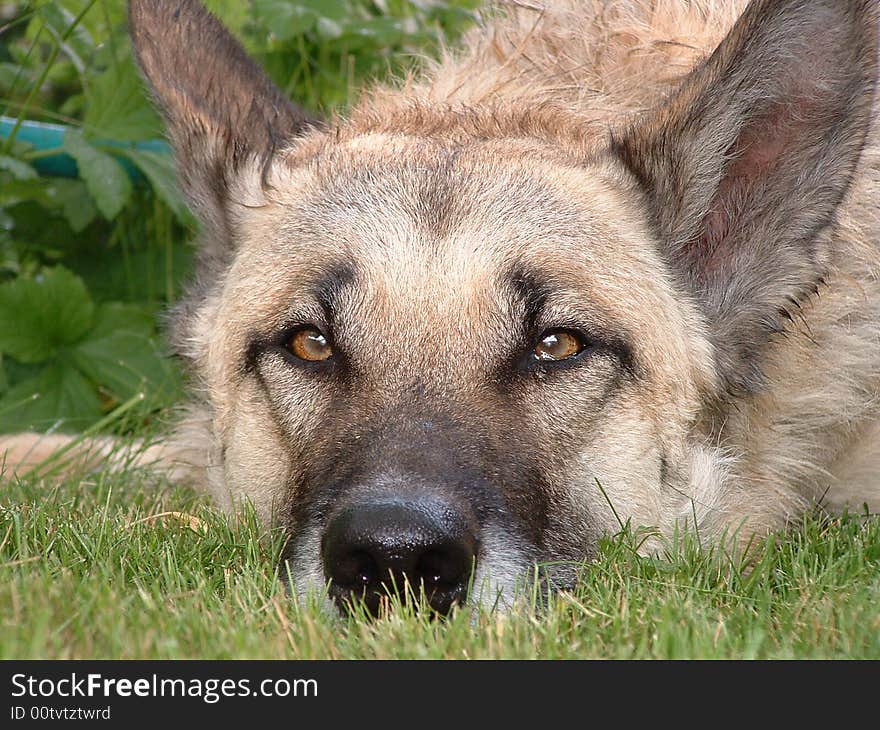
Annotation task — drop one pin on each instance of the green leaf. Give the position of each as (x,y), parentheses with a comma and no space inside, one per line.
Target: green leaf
(58,393)
(17,372)
(113,317)
(38,317)
(76,204)
(338,10)
(121,355)
(118,108)
(285,19)
(70,198)
(106,179)
(79,45)
(159,169)
(235,13)
(329,29)
(20,169)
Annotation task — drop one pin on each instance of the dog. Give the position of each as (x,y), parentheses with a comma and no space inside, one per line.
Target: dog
(608,263)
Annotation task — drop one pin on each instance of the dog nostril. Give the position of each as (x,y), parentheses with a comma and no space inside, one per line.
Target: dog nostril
(397,546)
(356,570)
(438,569)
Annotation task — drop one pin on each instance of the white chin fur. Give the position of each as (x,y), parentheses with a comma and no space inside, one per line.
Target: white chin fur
(504,572)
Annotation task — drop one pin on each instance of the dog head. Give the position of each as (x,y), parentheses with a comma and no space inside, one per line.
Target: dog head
(445,344)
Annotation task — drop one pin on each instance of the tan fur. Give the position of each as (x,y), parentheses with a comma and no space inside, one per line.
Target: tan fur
(508,140)
(597,61)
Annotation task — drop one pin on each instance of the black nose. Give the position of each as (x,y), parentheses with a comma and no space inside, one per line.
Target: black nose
(400,545)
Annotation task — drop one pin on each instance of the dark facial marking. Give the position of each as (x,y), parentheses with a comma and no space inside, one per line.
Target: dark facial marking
(531,295)
(327,292)
(332,286)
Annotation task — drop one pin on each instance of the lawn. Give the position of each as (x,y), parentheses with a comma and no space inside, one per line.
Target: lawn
(121,566)
(91,569)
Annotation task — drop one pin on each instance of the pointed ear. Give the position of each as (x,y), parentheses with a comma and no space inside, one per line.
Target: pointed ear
(747,163)
(221,110)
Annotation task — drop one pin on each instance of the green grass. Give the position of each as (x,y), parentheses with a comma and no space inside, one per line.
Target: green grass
(85,573)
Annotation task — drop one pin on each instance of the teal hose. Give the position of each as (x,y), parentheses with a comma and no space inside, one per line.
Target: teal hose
(43,136)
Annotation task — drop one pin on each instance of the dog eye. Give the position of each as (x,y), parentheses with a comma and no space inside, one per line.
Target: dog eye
(309,344)
(558,345)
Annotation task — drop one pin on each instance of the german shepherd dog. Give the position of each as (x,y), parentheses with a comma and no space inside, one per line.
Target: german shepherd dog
(610,262)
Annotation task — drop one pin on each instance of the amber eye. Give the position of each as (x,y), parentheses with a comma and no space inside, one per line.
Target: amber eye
(558,345)
(309,344)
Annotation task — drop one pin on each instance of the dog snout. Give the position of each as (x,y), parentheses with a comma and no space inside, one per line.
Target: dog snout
(377,547)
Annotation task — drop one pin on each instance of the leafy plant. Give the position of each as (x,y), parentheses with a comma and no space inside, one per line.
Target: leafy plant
(72,360)
(321,51)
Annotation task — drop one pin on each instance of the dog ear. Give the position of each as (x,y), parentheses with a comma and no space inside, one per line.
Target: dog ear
(221,110)
(746,164)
